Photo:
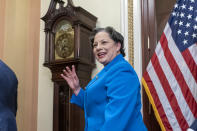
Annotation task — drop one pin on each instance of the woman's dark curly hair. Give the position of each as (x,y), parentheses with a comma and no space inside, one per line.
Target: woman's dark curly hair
(114,35)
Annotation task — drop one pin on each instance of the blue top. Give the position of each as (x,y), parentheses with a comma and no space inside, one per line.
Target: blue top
(8,98)
(112,100)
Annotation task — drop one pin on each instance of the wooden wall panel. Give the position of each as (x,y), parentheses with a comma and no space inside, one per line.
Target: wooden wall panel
(2,24)
(19,48)
(149,34)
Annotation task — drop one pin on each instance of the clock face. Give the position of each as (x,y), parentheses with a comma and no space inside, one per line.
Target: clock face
(64,40)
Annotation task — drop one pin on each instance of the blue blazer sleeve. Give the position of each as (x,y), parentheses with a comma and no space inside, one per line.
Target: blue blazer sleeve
(123,94)
(79,99)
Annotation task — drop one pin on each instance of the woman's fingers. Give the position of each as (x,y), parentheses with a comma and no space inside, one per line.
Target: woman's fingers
(74,73)
(65,77)
(68,74)
(71,77)
(69,80)
(73,69)
(68,70)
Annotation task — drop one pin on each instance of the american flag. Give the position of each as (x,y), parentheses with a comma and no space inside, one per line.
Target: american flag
(170,79)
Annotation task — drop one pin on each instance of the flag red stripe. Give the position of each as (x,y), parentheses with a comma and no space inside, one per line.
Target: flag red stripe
(157,102)
(193,68)
(178,75)
(190,62)
(169,93)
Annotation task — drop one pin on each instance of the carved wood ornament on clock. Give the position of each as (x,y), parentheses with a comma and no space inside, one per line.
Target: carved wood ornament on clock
(67,30)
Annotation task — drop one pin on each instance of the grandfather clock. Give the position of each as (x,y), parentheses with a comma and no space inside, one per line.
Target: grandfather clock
(67,30)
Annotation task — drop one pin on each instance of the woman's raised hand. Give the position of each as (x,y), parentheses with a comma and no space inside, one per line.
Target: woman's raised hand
(72,79)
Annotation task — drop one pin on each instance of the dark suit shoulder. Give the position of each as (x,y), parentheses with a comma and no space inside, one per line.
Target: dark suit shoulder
(7,121)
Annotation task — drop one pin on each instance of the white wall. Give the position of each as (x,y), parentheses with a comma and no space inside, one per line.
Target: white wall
(45,85)
(137,37)
(109,14)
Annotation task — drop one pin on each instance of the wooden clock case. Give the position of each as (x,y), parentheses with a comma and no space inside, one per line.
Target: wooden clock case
(66,116)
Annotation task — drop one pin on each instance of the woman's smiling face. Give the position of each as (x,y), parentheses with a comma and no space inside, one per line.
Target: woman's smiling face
(104,48)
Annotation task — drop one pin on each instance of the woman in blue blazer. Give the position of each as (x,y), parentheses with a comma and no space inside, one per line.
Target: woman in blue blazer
(111,101)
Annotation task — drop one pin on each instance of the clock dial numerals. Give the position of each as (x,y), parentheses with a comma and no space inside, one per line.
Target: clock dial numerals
(64,40)
(64,45)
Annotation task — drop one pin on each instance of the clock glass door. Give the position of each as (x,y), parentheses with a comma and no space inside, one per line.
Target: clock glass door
(64,40)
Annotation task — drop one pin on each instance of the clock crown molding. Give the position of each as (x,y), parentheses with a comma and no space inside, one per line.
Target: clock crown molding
(77,15)
(67,31)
